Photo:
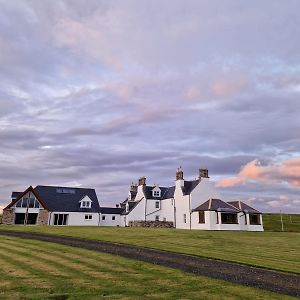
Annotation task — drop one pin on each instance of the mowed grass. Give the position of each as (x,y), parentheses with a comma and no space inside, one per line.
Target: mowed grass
(273,250)
(39,270)
(291,222)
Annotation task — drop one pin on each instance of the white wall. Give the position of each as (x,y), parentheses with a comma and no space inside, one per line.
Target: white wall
(109,220)
(204,191)
(78,218)
(166,210)
(137,213)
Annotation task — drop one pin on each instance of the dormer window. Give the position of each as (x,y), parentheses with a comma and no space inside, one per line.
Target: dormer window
(156,192)
(86,202)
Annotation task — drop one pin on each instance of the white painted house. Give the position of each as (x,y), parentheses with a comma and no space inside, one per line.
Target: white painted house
(192,204)
(53,205)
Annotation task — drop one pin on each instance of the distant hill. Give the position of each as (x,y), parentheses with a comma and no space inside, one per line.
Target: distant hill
(272,222)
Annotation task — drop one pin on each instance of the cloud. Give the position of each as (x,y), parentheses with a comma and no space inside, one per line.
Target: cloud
(101,92)
(287,171)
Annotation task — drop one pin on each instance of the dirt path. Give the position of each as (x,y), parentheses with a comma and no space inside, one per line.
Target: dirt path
(283,283)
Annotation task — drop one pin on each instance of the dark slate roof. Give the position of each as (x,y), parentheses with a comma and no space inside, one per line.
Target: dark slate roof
(133,195)
(67,201)
(189,186)
(244,207)
(111,210)
(14,195)
(132,205)
(166,192)
(216,205)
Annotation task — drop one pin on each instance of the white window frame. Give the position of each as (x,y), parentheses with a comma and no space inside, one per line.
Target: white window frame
(184,218)
(88,217)
(156,193)
(85,204)
(113,218)
(157,218)
(157,204)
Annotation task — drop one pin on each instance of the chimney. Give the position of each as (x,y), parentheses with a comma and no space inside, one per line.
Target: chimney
(133,187)
(117,205)
(203,173)
(179,174)
(142,180)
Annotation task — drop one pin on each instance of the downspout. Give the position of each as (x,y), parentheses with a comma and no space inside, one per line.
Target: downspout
(49,222)
(174,213)
(145,208)
(190,211)
(99,213)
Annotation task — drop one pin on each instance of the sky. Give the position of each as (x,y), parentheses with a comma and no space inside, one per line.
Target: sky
(98,93)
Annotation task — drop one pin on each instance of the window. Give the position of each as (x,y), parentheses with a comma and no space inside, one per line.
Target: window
(86,204)
(184,218)
(254,219)
(65,191)
(201,217)
(164,219)
(113,218)
(88,217)
(60,219)
(172,201)
(228,218)
(156,218)
(157,204)
(103,218)
(156,193)
(217,217)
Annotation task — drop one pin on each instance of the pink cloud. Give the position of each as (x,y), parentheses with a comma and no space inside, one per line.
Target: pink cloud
(286,171)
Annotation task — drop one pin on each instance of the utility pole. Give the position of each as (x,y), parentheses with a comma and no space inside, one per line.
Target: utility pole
(282,229)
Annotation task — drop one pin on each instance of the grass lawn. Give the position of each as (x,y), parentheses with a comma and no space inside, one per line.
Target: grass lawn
(291,222)
(39,270)
(274,250)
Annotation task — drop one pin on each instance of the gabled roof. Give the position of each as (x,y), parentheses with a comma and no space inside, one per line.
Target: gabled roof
(58,199)
(244,207)
(32,190)
(111,210)
(216,205)
(166,192)
(189,186)
(133,194)
(15,195)
(131,204)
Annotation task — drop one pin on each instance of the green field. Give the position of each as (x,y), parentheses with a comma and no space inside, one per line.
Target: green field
(39,270)
(291,222)
(274,250)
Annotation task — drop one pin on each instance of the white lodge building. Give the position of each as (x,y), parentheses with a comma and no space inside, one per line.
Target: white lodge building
(192,204)
(188,205)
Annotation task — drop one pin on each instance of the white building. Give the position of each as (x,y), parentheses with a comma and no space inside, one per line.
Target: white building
(55,205)
(192,204)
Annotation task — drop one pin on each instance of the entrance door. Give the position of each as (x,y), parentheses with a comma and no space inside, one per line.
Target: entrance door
(19,219)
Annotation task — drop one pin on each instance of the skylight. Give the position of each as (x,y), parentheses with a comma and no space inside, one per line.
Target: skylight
(65,191)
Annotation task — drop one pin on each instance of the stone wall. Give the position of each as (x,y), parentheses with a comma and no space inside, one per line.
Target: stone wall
(43,217)
(8,216)
(159,224)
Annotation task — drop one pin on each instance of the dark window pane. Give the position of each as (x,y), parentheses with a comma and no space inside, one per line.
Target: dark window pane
(229,218)
(19,203)
(201,217)
(24,203)
(254,219)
